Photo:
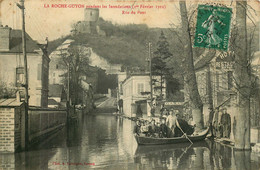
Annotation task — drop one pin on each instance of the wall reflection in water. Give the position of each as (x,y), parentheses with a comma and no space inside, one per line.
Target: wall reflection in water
(108,142)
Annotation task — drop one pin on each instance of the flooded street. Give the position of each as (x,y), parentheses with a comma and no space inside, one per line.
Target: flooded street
(106,142)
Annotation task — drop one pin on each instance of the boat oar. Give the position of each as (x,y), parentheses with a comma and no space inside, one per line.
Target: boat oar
(177,123)
(185,151)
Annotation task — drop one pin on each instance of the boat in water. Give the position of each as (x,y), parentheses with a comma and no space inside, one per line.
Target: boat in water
(143,140)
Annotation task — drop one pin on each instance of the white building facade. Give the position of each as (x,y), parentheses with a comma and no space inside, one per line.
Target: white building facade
(137,88)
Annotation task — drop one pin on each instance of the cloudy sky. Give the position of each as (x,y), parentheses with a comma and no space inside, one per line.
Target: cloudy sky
(51,22)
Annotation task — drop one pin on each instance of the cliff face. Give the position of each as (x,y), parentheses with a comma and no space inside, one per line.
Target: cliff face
(98,61)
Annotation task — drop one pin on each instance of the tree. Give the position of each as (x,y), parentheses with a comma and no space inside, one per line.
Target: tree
(105,81)
(190,77)
(242,78)
(76,60)
(7,91)
(159,67)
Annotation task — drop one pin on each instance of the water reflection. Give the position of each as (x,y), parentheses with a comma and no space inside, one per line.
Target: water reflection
(220,156)
(183,156)
(107,142)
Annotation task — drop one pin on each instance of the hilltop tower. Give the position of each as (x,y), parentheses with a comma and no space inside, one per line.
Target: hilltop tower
(91,14)
(89,24)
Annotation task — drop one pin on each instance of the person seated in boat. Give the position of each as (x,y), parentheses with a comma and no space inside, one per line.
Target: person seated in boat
(177,113)
(153,129)
(163,129)
(183,126)
(165,113)
(144,128)
(171,123)
(137,128)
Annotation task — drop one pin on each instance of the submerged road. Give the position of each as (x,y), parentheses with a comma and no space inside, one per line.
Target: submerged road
(106,107)
(109,103)
(104,141)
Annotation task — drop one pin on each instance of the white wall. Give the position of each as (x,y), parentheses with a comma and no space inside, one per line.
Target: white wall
(96,60)
(9,63)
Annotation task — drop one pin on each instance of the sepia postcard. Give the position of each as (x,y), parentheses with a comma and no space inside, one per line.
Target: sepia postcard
(129,84)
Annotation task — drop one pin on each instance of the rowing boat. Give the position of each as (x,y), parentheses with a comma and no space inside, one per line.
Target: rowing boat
(143,140)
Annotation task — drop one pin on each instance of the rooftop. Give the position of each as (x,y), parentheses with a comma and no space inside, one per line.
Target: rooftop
(16,43)
(52,102)
(204,59)
(55,90)
(12,102)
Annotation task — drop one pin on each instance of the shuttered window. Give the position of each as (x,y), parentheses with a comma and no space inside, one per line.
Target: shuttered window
(39,72)
(140,88)
(230,79)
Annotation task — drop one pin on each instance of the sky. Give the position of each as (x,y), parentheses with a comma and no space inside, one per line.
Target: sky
(42,22)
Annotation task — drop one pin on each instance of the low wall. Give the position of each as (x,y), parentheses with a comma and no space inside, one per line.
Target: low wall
(11,128)
(7,129)
(41,123)
(44,121)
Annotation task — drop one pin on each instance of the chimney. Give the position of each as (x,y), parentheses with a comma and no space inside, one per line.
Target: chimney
(18,96)
(5,38)
(0,16)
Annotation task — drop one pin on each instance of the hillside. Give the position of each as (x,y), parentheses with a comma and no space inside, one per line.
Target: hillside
(123,44)
(128,44)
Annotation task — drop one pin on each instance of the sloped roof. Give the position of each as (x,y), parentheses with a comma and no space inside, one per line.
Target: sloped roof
(52,102)
(16,43)
(10,102)
(85,85)
(55,90)
(204,60)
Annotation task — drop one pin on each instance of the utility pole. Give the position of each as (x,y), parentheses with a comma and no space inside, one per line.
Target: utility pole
(150,70)
(68,93)
(26,98)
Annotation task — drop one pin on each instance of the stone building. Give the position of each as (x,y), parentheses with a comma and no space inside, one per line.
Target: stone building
(89,24)
(214,73)
(12,62)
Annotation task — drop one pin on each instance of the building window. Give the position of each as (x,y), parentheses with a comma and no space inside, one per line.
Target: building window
(57,66)
(140,88)
(39,72)
(224,81)
(207,83)
(19,76)
(90,13)
(230,79)
(217,81)
(54,81)
(121,89)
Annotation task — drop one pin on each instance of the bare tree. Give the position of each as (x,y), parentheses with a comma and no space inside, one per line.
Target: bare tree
(190,77)
(242,79)
(76,60)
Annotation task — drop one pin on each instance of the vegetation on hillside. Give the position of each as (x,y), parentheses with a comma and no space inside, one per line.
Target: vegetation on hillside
(122,44)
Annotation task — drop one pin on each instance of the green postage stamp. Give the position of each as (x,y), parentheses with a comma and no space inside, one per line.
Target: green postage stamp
(213,26)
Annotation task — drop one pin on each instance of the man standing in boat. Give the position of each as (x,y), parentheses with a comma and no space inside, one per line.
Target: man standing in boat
(171,123)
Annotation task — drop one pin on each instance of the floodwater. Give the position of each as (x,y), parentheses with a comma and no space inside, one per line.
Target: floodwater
(106,142)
